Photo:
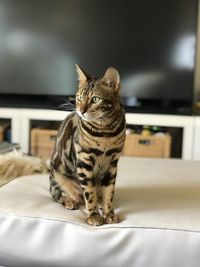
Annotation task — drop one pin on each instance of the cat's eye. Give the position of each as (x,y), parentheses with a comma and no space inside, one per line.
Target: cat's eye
(95,99)
(79,97)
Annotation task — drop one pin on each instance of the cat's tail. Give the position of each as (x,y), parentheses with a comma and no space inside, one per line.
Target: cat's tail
(16,164)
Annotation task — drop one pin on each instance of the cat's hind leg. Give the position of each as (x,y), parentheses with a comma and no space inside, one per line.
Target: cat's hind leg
(66,191)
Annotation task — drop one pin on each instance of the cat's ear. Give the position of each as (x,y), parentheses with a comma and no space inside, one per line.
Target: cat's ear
(111,77)
(82,75)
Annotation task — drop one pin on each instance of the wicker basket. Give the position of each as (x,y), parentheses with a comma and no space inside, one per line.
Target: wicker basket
(153,146)
(3,128)
(42,142)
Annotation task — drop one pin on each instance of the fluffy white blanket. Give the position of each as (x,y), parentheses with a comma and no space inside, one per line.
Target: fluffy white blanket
(15,164)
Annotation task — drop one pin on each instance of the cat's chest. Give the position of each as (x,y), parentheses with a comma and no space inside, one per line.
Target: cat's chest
(102,155)
(97,150)
(102,144)
(101,165)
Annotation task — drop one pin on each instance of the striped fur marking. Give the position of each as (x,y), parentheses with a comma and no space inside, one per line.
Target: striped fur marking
(84,162)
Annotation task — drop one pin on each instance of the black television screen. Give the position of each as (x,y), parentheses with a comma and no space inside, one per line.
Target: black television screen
(151,43)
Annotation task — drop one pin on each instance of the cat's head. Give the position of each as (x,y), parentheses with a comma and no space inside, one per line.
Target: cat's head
(97,98)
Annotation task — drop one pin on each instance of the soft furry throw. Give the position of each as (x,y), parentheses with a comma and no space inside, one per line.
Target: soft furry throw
(16,164)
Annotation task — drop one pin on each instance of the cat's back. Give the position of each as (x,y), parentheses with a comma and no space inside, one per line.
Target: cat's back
(68,125)
(65,135)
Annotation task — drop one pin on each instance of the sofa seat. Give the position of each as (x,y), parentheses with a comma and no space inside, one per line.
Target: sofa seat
(157,200)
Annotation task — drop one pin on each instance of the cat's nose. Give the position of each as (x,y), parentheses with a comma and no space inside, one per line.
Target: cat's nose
(83,110)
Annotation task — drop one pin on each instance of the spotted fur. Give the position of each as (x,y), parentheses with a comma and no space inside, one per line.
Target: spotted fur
(87,149)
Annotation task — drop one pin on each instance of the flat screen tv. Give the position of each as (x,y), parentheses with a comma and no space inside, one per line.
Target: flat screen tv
(151,43)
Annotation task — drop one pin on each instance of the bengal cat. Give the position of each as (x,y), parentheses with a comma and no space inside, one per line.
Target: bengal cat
(83,166)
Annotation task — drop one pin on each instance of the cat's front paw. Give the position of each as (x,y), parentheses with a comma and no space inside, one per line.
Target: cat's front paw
(94,219)
(70,204)
(111,218)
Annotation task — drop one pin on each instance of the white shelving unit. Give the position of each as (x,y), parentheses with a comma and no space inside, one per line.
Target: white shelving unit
(185,122)
(21,118)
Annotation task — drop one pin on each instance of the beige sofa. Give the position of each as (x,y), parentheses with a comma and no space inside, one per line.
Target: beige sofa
(159,205)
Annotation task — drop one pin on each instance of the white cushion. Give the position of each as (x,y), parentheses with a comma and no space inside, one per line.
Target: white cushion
(157,200)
